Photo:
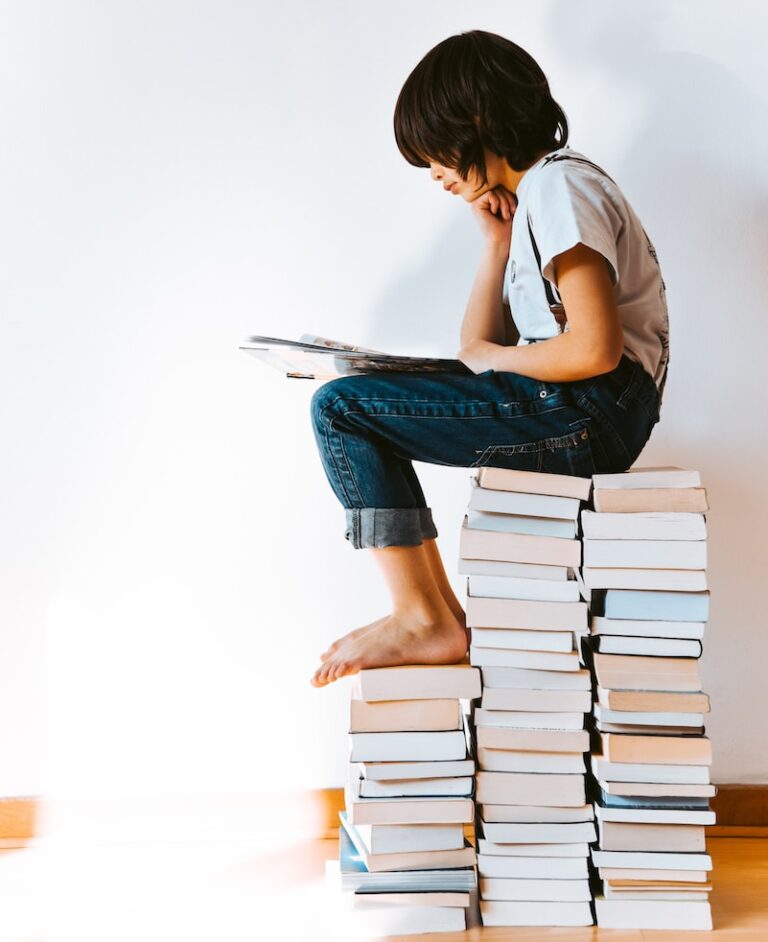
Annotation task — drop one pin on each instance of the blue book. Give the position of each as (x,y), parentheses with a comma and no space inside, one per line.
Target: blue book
(647,605)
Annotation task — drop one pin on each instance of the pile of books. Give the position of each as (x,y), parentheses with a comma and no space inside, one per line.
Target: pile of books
(645,567)
(403,852)
(519,548)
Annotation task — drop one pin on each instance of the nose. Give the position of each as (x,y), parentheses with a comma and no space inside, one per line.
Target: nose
(436,171)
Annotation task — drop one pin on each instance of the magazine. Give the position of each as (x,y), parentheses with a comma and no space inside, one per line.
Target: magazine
(312,357)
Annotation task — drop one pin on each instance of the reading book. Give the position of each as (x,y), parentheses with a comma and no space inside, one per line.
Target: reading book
(312,357)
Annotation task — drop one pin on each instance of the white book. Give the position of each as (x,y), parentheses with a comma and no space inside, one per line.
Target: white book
(408,788)
(521,639)
(515,502)
(657,790)
(647,629)
(511,523)
(522,679)
(645,554)
(387,771)
(648,477)
(652,914)
(660,604)
(662,580)
(647,860)
(647,772)
(556,891)
(543,660)
(403,839)
(507,760)
(507,913)
(417,682)
(393,747)
(540,833)
(542,590)
(388,920)
(643,526)
(533,868)
(536,814)
(650,647)
(516,719)
(605,715)
(551,851)
(654,815)
(548,701)
(418,898)
(497,567)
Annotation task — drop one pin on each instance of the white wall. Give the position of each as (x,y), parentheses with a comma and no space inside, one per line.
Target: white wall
(177,175)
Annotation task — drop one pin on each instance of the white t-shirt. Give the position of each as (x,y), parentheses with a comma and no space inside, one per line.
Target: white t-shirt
(569,202)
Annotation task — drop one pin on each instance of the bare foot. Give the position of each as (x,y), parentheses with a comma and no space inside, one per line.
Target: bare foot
(451,601)
(333,648)
(398,639)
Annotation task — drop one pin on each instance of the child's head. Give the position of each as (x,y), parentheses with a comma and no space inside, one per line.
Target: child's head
(474,94)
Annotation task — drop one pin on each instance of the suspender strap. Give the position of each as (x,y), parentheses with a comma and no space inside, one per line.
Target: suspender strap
(553,299)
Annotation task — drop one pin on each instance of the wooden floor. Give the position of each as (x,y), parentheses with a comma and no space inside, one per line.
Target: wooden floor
(249,890)
(739,904)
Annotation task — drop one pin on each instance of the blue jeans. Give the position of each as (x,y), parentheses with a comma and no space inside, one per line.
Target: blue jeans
(370,428)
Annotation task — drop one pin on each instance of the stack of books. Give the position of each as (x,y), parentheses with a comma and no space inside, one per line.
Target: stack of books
(645,556)
(403,852)
(520,549)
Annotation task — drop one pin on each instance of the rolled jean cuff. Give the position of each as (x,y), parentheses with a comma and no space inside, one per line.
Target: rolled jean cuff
(383,526)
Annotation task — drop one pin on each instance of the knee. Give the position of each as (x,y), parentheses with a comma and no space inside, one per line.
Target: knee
(327,400)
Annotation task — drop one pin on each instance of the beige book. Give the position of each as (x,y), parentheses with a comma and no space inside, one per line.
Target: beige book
(408,810)
(393,716)
(657,750)
(656,838)
(636,672)
(522,613)
(533,740)
(509,760)
(535,701)
(642,500)
(519,547)
(519,788)
(702,885)
(652,701)
(418,682)
(534,482)
(536,814)
(618,874)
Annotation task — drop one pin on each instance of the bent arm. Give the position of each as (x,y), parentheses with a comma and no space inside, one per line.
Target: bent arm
(593,343)
(484,318)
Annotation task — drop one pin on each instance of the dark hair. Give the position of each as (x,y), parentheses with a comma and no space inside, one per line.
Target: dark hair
(472,91)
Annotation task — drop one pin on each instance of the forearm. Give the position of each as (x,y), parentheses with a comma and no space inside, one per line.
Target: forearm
(485,315)
(562,359)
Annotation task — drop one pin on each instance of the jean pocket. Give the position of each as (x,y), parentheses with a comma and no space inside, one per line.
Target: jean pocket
(566,454)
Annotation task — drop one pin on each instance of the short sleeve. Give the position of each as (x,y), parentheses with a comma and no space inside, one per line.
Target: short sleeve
(568,206)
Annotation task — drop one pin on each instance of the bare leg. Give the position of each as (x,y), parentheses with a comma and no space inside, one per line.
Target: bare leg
(422,629)
(443,585)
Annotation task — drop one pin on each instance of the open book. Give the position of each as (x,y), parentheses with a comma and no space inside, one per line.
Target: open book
(312,357)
